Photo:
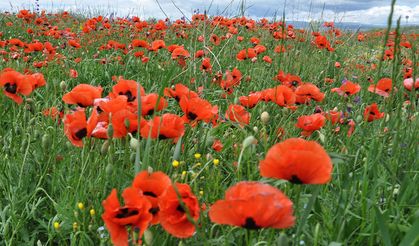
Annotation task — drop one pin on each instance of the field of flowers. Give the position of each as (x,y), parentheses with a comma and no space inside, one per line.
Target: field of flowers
(206,131)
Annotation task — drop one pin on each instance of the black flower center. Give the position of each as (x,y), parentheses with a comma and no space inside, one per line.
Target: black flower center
(149,193)
(250,224)
(295,180)
(154,211)
(129,96)
(81,133)
(180,208)
(11,88)
(192,116)
(126,212)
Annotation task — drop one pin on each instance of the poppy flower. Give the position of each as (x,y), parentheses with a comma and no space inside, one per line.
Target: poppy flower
(179,91)
(13,84)
(152,186)
(267,59)
(134,214)
(76,127)
(127,88)
(124,121)
(282,95)
(238,113)
(382,88)
(372,113)
(36,80)
(299,161)
(253,205)
(179,53)
(173,215)
(157,44)
(251,100)
(408,84)
(246,54)
(217,145)
(348,88)
(83,95)
(310,123)
(334,116)
(152,102)
(164,127)
(206,65)
(307,91)
(290,80)
(197,109)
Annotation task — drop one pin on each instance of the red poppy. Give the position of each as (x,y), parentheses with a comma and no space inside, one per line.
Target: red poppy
(152,102)
(238,113)
(246,54)
(253,205)
(180,52)
(348,88)
(334,116)
(372,113)
(83,95)
(299,161)
(282,95)
(127,88)
(76,127)
(206,65)
(134,214)
(197,109)
(157,44)
(307,91)
(267,59)
(173,215)
(251,100)
(167,126)
(124,121)
(310,123)
(13,84)
(217,145)
(382,88)
(179,91)
(152,186)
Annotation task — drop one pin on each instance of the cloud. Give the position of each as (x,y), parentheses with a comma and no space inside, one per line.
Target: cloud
(360,11)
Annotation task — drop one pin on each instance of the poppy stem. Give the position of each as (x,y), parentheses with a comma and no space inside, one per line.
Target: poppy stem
(137,162)
(306,212)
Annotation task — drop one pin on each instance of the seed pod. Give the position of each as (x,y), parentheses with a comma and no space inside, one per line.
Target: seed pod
(63,85)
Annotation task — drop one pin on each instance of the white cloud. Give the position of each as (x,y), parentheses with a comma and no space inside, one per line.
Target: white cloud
(295,10)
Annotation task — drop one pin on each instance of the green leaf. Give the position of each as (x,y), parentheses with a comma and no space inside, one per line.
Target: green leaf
(383,228)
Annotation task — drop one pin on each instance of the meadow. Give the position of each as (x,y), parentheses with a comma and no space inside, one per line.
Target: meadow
(206,131)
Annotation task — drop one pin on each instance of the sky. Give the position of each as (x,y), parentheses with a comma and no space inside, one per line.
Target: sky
(373,12)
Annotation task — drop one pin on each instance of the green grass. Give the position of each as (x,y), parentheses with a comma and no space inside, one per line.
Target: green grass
(371,200)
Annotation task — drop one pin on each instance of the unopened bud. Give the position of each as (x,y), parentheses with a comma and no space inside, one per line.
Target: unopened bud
(264,117)
(248,141)
(63,85)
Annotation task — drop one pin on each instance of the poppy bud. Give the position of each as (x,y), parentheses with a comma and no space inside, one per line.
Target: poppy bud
(109,169)
(150,169)
(322,137)
(248,141)
(359,119)
(105,147)
(264,117)
(255,129)
(282,240)
(387,118)
(148,237)
(134,143)
(63,85)
(46,141)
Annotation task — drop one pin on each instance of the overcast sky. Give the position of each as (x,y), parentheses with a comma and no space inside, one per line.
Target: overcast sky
(360,11)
